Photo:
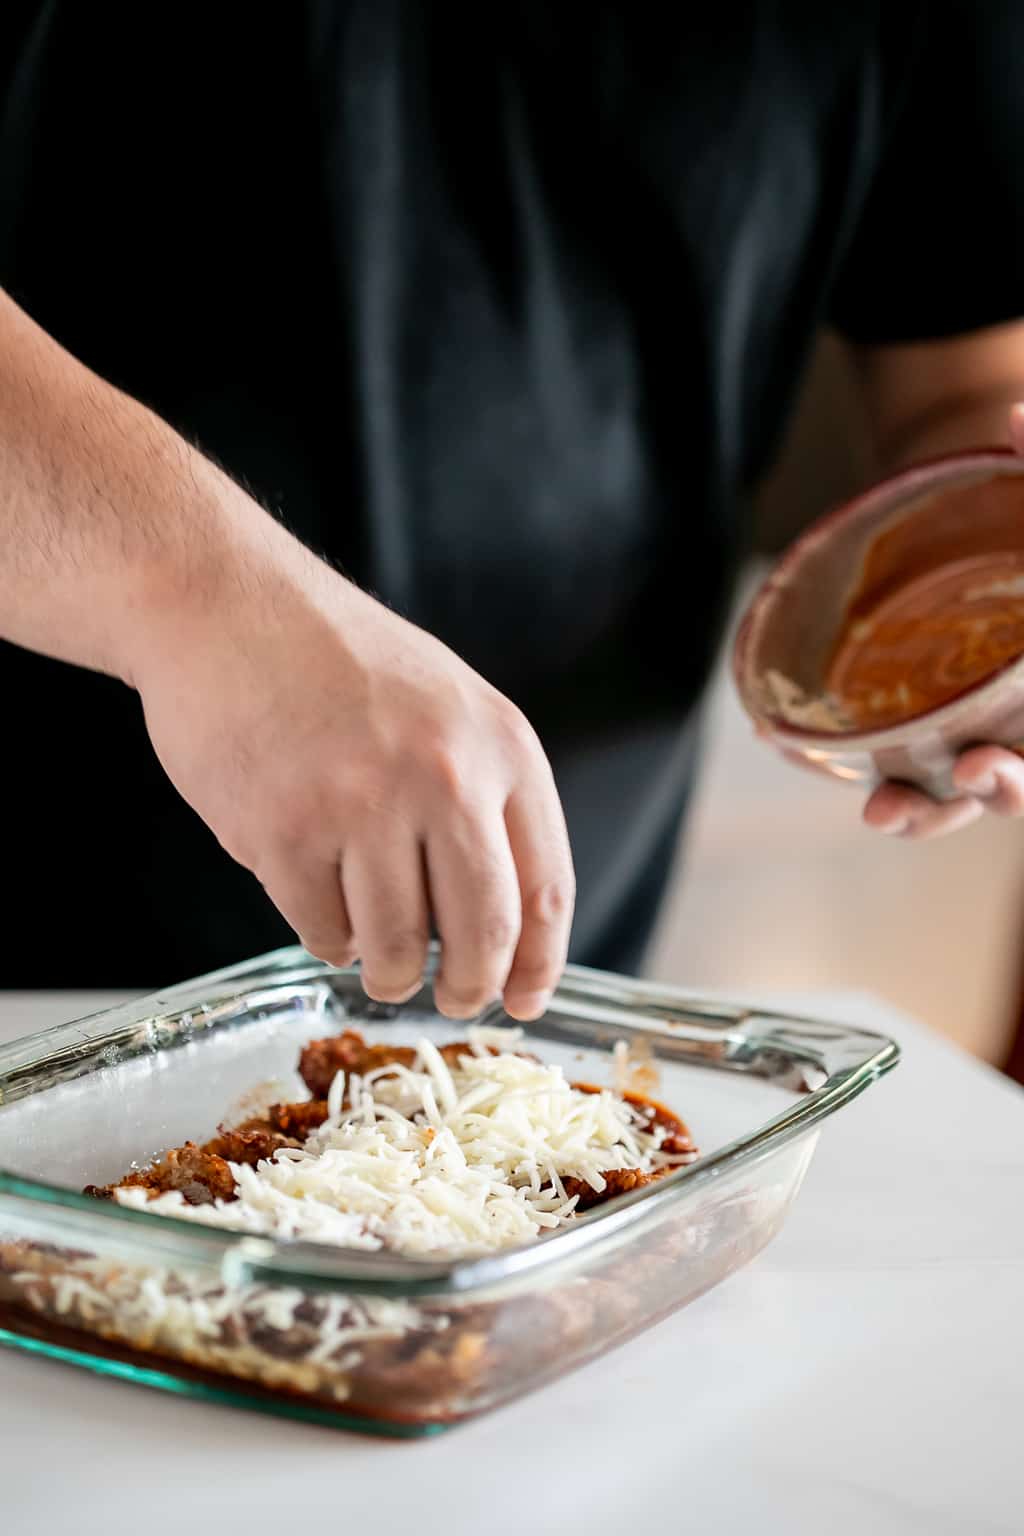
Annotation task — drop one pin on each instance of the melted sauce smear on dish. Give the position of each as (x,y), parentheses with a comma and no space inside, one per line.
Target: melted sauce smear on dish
(939,606)
(930,640)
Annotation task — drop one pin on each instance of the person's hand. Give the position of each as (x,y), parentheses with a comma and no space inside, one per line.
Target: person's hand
(369,778)
(988,778)
(371,781)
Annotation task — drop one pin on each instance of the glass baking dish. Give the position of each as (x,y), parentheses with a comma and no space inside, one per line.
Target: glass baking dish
(375,1341)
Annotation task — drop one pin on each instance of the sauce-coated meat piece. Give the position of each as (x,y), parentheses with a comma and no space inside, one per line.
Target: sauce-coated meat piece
(248,1144)
(293,1121)
(200,1175)
(618,1181)
(321,1060)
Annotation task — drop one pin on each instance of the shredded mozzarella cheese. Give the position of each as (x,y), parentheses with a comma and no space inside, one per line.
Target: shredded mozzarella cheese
(435,1159)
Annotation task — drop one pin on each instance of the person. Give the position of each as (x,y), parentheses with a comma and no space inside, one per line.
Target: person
(381,390)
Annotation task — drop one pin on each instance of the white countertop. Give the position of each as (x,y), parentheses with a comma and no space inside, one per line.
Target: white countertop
(866,1373)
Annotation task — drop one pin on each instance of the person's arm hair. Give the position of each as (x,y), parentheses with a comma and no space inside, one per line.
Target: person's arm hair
(106,514)
(373,783)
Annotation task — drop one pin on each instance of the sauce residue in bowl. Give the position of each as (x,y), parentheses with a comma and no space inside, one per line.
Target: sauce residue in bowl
(929,639)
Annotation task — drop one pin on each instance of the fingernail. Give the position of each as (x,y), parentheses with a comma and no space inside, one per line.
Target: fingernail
(532,1005)
(456,1010)
(894,828)
(984,788)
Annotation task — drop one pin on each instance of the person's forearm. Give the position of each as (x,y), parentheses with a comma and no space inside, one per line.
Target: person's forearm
(369,779)
(957,423)
(924,399)
(108,519)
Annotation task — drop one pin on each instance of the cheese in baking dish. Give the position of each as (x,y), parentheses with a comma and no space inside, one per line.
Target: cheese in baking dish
(462,1150)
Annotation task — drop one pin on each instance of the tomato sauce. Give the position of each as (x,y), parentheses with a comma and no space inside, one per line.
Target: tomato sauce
(935,611)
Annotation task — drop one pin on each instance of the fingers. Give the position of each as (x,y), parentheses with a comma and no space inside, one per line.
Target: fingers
(476,903)
(901,811)
(540,848)
(989,778)
(384,886)
(994,776)
(1017,426)
(310,899)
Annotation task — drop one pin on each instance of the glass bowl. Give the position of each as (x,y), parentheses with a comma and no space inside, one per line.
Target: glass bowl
(916,527)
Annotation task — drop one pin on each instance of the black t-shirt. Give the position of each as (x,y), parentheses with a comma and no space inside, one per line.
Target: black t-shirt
(503,310)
